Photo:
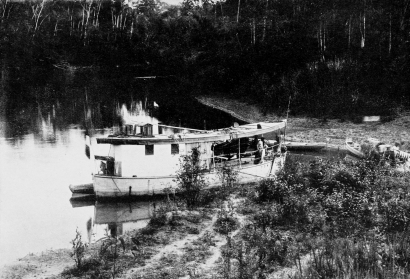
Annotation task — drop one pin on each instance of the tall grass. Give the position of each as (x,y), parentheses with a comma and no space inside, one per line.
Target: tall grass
(328,219)
(363,258)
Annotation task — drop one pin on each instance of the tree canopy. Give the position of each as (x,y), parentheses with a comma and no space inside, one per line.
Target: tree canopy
(334,58)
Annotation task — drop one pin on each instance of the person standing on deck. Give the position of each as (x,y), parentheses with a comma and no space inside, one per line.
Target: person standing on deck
(265,146)
(103,168)
(261,150)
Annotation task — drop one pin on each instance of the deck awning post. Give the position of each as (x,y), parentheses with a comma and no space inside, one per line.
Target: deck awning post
(213,154)
(239,145)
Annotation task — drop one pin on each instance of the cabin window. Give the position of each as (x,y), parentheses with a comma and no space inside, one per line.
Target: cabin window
(149,149)
(160,130)
(174,149)
(107,167)
(147,130)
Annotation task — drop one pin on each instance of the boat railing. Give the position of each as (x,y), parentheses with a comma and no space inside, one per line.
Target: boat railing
(183,128)
(219,157)
(246,157)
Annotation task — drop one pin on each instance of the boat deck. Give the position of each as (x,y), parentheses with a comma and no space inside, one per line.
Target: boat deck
(246,159)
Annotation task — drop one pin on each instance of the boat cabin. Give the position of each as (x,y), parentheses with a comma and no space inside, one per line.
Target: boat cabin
(144,150)
(147,150)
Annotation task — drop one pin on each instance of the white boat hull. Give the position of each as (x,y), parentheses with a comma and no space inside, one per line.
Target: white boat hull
(116,187)
(353,151)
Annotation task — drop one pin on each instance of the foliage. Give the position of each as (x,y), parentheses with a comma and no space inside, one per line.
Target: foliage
(190,178)
(256,254)
(371,258)
(328,219)
(229,178)
(226,222)
(325,55)
(78,250)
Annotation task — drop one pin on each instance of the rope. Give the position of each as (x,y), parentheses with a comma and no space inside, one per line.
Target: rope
(115,184)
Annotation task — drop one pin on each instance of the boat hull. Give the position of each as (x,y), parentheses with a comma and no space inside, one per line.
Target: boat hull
(354,152)
(123,187)
(304,146)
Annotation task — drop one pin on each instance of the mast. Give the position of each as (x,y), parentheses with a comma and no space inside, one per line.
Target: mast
(287,116)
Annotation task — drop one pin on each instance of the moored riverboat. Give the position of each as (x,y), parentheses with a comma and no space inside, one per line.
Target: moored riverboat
(143,159)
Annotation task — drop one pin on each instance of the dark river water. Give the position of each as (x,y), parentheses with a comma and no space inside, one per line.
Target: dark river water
(43,121)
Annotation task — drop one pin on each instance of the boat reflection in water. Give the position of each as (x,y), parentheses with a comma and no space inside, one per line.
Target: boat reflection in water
(123,217)
(117,218)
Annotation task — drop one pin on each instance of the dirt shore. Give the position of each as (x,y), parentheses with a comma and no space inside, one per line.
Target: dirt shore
(48,264)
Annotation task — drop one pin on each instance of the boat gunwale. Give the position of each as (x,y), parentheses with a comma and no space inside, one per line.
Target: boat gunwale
(243,166)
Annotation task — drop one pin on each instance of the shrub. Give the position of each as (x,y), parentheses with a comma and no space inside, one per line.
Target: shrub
(225,223)
(78,249)
(228,176)
(192,230)
(158,220)
(195,219)
(271,190)
(396,214)
(190,177)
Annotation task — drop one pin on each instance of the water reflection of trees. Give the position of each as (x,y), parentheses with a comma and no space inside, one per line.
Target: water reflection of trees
(86,99)
(91,99)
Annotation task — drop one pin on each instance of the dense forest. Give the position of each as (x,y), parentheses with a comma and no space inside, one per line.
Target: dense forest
(331,58)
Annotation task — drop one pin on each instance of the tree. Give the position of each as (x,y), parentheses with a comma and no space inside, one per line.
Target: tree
(38,17)
(5,8)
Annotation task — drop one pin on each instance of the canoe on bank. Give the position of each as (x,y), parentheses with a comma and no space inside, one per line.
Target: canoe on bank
(354,149)
(378,150)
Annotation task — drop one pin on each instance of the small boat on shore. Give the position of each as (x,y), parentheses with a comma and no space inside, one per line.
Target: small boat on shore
(354,148)
(305,146)
(82,188)
(143,159)
(378,150)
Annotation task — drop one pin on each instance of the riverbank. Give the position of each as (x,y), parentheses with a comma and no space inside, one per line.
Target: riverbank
(47,264)
(333,131)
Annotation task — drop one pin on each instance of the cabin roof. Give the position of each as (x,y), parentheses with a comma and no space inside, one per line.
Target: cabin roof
(243,131)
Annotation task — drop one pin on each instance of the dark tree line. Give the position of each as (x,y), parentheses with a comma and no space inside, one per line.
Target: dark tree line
(333,58)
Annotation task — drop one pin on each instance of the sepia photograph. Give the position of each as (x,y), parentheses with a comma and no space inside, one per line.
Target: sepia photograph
(204,139)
